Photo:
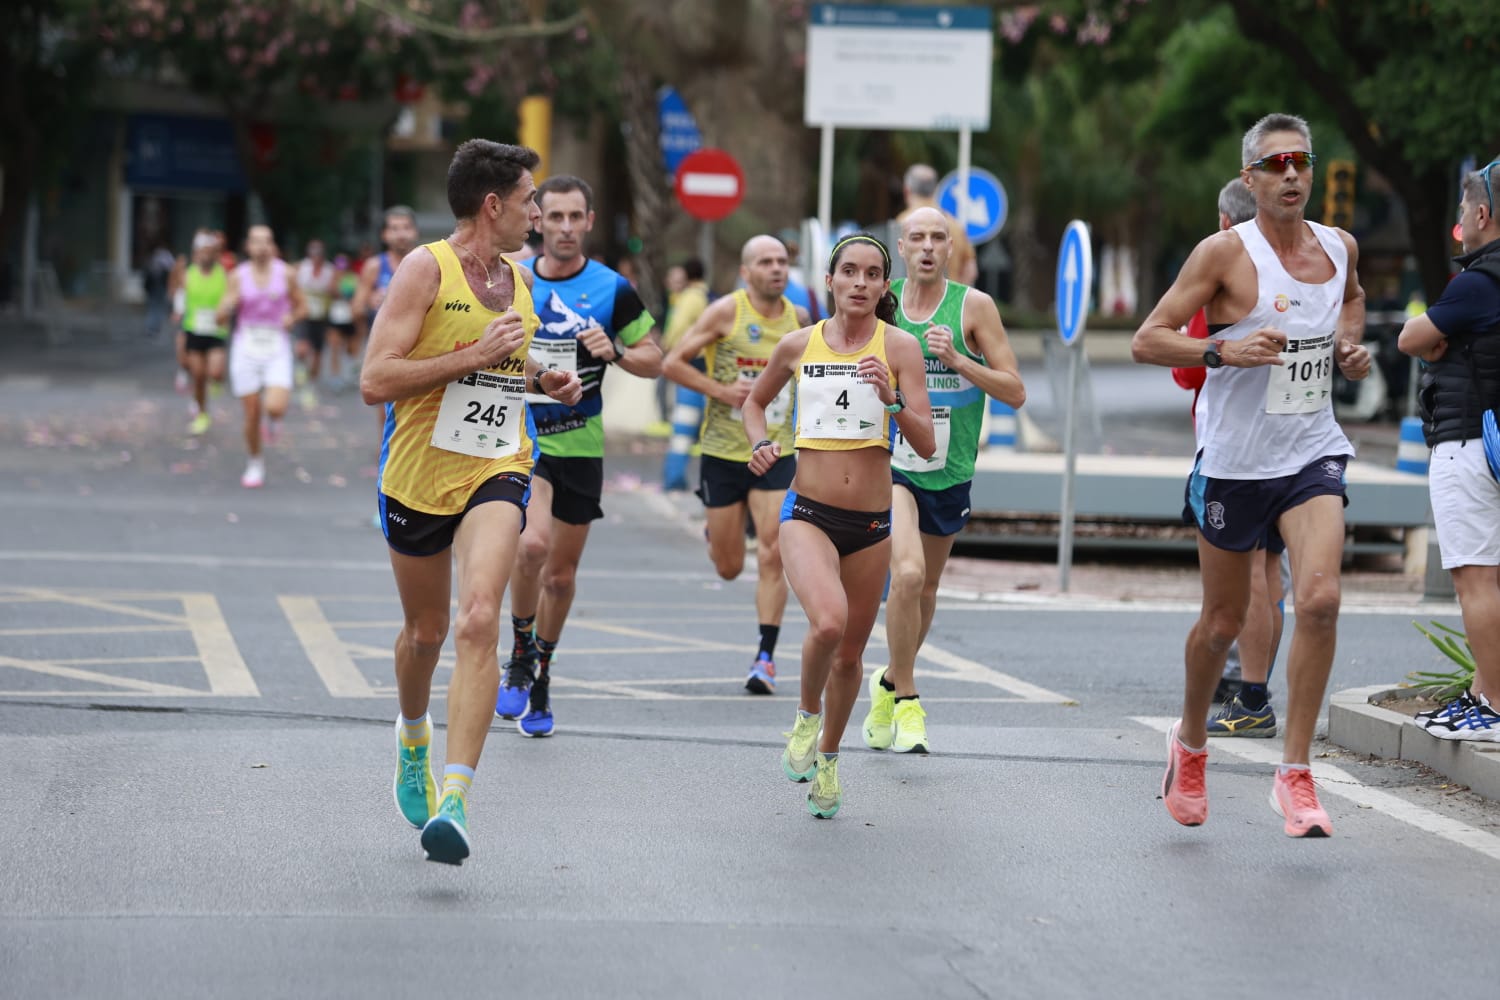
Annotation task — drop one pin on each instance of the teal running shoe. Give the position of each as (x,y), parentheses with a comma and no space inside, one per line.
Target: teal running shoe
(445,838)
(415,787)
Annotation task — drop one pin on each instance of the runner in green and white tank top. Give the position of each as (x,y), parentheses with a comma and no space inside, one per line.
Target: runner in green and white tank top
(957,403)
(968,359)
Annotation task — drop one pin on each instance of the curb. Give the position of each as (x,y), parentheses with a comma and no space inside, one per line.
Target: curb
(1356,724)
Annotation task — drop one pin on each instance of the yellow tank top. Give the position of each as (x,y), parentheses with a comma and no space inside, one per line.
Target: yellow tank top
(412,469)
(836,411)
(743,355)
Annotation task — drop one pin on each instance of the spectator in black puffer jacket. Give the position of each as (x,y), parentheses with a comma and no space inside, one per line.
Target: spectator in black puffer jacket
(1459,339)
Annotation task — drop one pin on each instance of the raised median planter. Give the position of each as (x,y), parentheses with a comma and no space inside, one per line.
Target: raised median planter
(1356,722)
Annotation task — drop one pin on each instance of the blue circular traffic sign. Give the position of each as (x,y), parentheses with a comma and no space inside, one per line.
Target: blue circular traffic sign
(987,204)
(1075,280)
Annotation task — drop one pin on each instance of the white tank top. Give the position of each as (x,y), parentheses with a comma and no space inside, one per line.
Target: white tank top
(1260,423)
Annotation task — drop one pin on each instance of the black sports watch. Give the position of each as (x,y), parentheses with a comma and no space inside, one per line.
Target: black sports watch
(1211,357)
(898,405)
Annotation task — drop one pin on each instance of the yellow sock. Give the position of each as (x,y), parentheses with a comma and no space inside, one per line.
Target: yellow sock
(456,781)
(416,732)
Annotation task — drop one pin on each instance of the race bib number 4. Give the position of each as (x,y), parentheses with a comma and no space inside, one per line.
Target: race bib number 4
(1303,383)
(905,457)
(482,415)
(834,403)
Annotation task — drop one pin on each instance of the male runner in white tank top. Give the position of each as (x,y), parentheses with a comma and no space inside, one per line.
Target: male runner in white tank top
(1285,297)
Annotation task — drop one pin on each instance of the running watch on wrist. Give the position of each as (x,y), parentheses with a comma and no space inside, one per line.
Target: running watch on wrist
(536,384)
(762,443)
(1211,357)
(898,405)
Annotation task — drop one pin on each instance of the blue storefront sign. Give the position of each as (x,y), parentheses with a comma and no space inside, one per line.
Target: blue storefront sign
(679,129)
(173,153)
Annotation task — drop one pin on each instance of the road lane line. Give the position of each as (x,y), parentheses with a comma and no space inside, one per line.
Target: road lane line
(228,676)
(96,602)
(129,684)
(1341,783)
(325,650)
(960,668)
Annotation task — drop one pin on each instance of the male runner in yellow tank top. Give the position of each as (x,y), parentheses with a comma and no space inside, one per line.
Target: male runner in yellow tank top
(448,357)
(736,336)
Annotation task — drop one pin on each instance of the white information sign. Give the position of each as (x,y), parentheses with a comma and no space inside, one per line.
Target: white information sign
(872,66)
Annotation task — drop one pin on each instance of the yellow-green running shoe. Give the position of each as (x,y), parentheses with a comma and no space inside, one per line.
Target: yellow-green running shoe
(445,838)
(910,727)
(415,787)
(824,798)
(800,758)
(879,720)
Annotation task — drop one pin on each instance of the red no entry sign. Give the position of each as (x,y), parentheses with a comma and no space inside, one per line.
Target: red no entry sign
(710,184)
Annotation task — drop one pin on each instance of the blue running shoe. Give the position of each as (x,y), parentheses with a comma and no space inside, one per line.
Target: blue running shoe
(415,787)
(515,686)
(538,718)
(445,838)
(762,678)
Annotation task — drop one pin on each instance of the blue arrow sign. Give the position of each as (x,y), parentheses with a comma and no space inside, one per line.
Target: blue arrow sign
(987,204)
(1075,281)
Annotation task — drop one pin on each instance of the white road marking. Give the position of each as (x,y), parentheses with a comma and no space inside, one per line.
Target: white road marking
(959,668)
(1013,601)
(1337,781)
(314,565)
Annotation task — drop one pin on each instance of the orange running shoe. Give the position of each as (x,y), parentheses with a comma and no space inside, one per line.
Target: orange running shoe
(1294,796)
(1183,788)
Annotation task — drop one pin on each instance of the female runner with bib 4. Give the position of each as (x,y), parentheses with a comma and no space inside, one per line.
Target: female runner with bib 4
(858,380)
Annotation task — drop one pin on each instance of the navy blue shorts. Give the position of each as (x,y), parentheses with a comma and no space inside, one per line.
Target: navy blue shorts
(939,512)
(418,533)
(1240,515)
(848,530)
(724,483)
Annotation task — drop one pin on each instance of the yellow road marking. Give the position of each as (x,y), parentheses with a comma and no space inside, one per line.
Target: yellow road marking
(328,654)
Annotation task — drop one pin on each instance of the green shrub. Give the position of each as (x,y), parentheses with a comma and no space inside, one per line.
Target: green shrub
(1445,686)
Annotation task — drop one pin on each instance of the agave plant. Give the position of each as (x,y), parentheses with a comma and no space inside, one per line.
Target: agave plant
(1444,686)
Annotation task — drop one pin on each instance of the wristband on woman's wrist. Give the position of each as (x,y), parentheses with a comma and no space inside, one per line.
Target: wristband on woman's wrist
(536,384)
(762,443)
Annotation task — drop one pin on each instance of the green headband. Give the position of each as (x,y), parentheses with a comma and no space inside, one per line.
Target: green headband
(859,237)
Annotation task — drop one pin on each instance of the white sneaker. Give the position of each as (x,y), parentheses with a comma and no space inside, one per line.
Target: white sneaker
(255,474)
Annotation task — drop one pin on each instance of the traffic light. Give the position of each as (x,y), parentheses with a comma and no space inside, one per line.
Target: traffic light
(1338,195)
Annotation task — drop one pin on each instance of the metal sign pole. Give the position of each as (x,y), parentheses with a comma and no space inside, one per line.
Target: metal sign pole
(825,181)
(1070,463)
(965,158)
(1075,279)
(706,248)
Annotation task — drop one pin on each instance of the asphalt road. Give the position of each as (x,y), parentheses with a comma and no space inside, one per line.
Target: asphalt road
(195,711)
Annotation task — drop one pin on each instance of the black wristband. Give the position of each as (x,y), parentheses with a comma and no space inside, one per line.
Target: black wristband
(762,443)
(536,384)
(619,354)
